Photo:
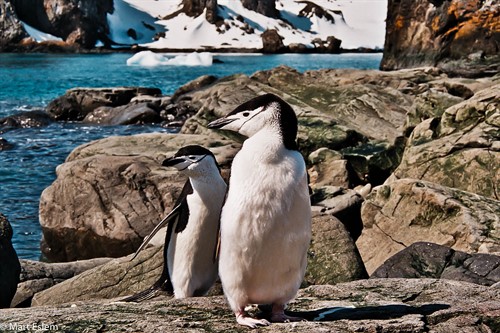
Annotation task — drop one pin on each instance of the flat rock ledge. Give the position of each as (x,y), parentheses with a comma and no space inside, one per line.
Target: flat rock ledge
(375,305)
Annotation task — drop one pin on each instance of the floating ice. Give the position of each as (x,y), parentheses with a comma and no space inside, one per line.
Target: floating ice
(150,59)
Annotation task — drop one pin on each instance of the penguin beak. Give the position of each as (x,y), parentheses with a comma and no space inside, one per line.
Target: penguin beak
(171,161)
(219,123)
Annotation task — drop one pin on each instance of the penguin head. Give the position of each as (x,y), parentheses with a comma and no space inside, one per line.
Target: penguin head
(192,159)
(260,112)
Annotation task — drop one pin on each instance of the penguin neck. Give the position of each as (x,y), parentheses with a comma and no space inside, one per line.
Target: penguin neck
(265,144)
(207,176)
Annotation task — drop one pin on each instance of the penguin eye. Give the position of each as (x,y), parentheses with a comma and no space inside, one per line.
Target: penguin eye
(246,114)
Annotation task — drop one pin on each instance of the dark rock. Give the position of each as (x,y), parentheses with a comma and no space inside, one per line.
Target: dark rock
(429,260)
(132,33)
(312,9)
(264,7)
(11,29)
(333,44)
(297,48)
(37,276)
(9,264)
(78,102)
(443,34)
(75,21)
(26,119)
(4,144)
(198,83)
(140,113)
(272,42)
(195,8)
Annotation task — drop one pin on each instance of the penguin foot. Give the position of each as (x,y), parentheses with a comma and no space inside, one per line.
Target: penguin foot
(278,315)
(243,319)
(283,318)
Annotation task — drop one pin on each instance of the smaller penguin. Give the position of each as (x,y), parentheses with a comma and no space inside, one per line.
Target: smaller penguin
(190,266)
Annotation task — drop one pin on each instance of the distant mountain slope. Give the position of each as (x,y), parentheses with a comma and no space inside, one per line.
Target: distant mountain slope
(358,23)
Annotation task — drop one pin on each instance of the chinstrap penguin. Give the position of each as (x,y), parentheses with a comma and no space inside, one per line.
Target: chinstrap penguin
(266,218)
(190,265)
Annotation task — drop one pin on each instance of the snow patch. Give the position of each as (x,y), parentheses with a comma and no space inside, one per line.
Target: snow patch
(358,23)
(129,25)
(151,59)
(38,35)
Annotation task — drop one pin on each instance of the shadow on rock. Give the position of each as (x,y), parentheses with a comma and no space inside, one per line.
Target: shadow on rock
(382,312)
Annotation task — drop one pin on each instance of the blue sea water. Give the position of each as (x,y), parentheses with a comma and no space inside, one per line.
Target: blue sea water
(30,81)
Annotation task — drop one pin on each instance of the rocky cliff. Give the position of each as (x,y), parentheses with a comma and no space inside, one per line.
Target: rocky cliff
(77,22)
(11,29)
(452,34)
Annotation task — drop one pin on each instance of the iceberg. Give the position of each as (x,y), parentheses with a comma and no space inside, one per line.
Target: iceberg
(151,59)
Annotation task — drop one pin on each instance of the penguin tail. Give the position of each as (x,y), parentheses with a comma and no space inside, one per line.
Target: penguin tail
(144,295)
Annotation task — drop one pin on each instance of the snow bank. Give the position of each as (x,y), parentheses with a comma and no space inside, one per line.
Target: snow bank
(358,23)
(129,25)
(38,35)
(151,59)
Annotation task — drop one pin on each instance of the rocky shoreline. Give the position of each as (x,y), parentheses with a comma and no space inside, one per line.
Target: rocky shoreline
(425,142)
(404,171)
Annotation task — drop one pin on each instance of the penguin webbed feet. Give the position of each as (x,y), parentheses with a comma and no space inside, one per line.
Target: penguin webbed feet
(244,319)
(278,315)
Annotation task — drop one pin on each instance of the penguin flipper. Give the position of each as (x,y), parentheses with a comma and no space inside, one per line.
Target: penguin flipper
(151,292)
(173,215)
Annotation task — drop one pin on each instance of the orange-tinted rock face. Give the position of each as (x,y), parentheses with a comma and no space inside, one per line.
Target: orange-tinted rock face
(433,32)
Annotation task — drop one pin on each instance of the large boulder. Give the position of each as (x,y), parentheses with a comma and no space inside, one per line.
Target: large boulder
(37,276)
(332,256)
(76,103)
(429,260)
(264,7)
(116,278)
(27,119)
(110,193)
(272,42)
(9,264)
(80,22)
(375,305)
(460,149)
(132,113)
(405,211)
(460,36)
(195,8)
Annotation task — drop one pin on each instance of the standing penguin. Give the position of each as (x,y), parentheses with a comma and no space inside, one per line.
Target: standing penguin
(266,219)
(190,266)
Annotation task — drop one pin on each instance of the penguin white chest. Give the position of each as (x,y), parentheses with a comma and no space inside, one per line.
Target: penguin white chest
(265,225)
(191,252)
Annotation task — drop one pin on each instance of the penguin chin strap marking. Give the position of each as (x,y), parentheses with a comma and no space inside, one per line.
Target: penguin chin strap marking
(187,166)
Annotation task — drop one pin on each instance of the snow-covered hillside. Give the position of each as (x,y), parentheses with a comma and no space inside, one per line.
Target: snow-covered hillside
(358,23)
